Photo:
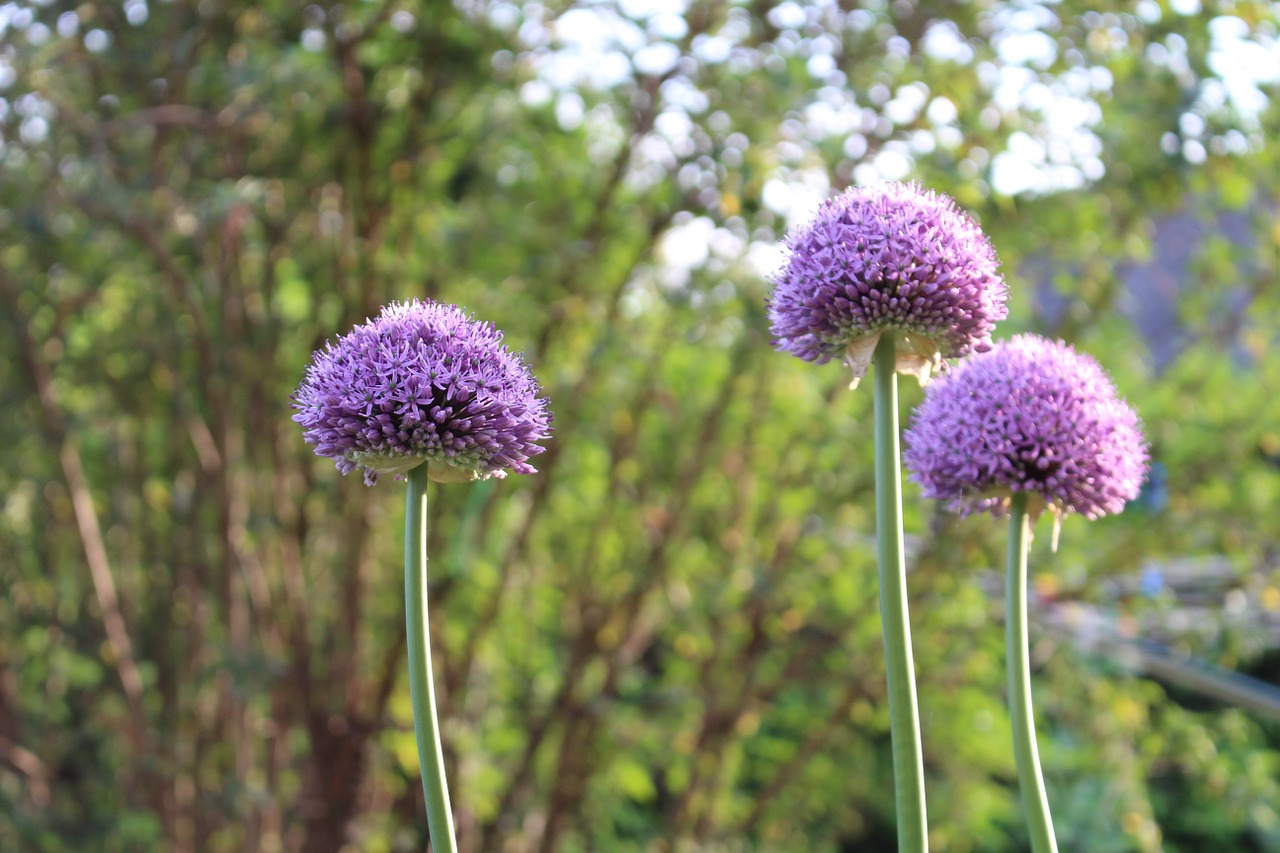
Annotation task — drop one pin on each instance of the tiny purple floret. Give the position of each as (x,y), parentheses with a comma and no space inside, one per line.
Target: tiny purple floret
(422,382)
(1028,415)
(887,257)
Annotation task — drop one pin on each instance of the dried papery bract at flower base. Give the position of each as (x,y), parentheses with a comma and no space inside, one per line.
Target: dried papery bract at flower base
(422,382)
(892,257)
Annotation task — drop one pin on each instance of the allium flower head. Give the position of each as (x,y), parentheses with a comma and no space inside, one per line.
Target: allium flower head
(888,257)
(422,382)
(1030,415)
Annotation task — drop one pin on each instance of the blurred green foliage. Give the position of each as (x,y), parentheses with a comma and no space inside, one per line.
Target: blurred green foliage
(668,639)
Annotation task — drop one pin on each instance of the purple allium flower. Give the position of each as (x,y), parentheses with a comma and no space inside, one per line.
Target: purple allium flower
(1029,415)
(892,256)
(422,382)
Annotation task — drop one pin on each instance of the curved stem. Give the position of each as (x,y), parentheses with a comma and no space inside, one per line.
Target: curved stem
(904,716)
(1034,801)
(421,685)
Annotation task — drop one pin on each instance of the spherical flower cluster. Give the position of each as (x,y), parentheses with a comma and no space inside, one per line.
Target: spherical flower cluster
(422,382)
(1030,415)
(893,256)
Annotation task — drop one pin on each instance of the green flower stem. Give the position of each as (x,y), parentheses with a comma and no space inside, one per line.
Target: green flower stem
(1034,801)
(421,687)
(904,716)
